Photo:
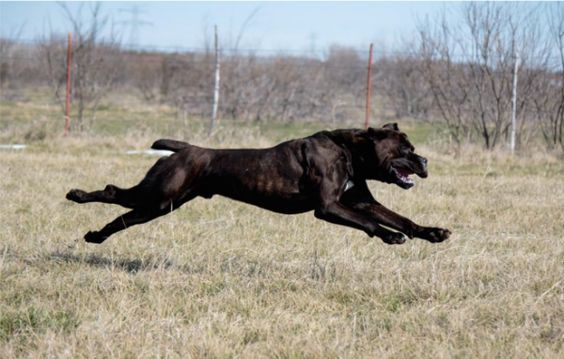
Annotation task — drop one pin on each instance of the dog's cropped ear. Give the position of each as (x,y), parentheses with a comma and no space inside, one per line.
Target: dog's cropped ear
(391,126)
(374,134)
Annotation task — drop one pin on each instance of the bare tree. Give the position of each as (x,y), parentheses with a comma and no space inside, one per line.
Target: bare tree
(96,59)
(550,102)
(469,69)
(445,77)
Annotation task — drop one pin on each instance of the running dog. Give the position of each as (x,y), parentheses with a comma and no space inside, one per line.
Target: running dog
(325,173)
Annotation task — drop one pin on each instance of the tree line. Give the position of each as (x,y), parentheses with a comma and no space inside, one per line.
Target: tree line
(460,75)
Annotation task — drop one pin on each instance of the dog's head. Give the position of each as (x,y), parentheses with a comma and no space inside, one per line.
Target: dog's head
(388,156)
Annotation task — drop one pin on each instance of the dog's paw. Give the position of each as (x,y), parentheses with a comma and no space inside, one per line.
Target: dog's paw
(395,238)
(75,195)
(94,237)
(436,235)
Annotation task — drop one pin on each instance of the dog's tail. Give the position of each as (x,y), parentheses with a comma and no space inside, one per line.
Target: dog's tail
(169,145)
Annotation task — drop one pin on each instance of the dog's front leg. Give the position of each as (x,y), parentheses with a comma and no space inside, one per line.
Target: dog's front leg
(332,209)
(393,220)
(360,198)
(339,214)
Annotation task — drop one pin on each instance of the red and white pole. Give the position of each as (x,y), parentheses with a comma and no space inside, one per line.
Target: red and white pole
(368,88)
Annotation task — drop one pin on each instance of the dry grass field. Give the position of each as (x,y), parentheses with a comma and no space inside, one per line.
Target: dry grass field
(221,279)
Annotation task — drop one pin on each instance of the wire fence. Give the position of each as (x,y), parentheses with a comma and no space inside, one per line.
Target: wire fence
(280,87)
(318,53)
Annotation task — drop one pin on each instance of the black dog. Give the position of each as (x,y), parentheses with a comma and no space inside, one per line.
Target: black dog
(325,173)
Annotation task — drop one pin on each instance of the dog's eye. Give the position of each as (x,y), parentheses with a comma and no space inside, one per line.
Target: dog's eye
(406,149)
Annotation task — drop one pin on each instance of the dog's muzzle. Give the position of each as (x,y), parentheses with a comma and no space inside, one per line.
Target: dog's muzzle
(423,165)
(402,168)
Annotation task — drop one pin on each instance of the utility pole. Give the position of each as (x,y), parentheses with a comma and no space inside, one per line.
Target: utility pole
(135,24)
(216,84)
(514,103)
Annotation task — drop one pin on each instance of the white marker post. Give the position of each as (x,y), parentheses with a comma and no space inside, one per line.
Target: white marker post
(514,104)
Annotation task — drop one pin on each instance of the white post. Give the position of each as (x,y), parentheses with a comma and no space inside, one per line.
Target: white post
(514,104)
(216,85)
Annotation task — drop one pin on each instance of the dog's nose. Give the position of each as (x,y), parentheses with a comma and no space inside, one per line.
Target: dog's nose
(423,162)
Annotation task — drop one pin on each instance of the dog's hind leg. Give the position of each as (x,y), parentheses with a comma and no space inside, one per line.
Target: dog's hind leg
(131,218)
(128,198)
(144,194)
(137,216)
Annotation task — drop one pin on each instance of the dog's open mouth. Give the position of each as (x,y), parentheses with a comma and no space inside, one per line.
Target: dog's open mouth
(402,177)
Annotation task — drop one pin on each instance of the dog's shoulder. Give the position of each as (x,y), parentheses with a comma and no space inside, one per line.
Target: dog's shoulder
(327,149)
(322,141)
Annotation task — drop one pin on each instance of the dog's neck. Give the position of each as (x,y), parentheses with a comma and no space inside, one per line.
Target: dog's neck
(357,145)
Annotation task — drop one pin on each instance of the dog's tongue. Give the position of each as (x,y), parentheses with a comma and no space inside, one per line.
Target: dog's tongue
(403,172)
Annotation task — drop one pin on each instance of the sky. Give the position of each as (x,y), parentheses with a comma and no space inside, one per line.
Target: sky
(267,26)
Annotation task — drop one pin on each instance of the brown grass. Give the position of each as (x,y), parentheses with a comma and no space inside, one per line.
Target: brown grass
(223,279)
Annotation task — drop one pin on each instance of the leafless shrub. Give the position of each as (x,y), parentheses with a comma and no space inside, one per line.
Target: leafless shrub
(282,88)
(19,66)
(6,50)
(186,82)
(402,82)
(143,73)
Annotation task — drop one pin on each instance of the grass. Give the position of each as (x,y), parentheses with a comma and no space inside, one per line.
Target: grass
(220,278)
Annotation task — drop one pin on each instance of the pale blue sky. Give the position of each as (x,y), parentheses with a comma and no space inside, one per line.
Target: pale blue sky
(293,26)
